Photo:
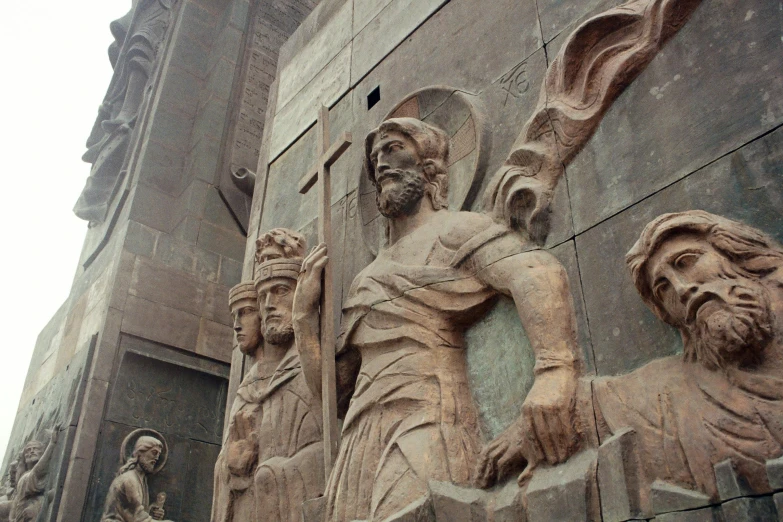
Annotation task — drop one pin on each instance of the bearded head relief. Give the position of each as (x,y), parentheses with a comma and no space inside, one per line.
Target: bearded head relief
(407,159)
(707,276)
(279,254)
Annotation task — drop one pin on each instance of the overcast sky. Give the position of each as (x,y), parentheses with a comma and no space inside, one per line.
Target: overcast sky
(55,73)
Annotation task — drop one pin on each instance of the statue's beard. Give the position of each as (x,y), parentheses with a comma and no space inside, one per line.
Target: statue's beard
(732,326)
(279,334)
(147,465)
(401,197)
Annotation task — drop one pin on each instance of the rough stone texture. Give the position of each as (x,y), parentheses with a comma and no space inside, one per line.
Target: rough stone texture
(778,499)
(565,492)
(509,505)
(775,473)
(749,509)
(619,479)
(730,485)
(668,497)
(419,511)
(696,515)
(452,502)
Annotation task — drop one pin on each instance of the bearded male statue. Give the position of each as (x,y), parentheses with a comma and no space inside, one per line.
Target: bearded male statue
(721,284)
(271,461)
(32,475)
(128,499)
(402,381)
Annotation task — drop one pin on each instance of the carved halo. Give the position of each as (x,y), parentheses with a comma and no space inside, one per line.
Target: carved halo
(130,442)
(460,115)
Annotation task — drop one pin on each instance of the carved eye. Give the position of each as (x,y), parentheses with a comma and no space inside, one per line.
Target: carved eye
(686,260)
(282,290)
(660,287)
(394,147)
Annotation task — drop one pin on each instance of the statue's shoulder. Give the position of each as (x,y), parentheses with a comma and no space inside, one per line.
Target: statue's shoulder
(459,227)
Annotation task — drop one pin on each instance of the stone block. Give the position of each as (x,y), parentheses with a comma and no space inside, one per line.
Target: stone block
(216,211)
(418,511)
(303,25)
(154,208)
(451,502)
(179,90)
(220,80)
(730,485)
(620,478)
(712,89)
(668,497)
(141,239)
(509,505)
(204,159)
(230,272)
(328,86)
(557,15)
(325,45)
(216,304)
(565,492)
(167,286)
(226,242)
(171,128)
(364,11)
(778,499)
(188,53)
(215,340)
(160,323)
(775,473)
(122,280)
(188,229)
(624,332)
(749,509)
(397,20)
(696,515)
(212,115)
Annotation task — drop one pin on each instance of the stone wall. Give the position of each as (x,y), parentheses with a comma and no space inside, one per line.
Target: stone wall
(698,129)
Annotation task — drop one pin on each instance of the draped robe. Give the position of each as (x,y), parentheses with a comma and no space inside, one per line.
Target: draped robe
(290,450)
(689,418)
(412,417)
(128,499)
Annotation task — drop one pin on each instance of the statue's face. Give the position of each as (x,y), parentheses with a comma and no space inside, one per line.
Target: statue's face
(247,325)
(399,174)
(275,301)
(708,296)
(148,459)
(32,454)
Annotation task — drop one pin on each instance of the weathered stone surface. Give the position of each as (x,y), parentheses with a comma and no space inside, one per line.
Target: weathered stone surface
(316,54)
(509,505)
(668,497)
(313,510)
(565,492)
(620,479)
(778,499)
(160,323)
(730,485)
(556,15)
(695,515)
(728,187)
(698,117)
(419,511)
(775,473)
(749,509)
(452,502)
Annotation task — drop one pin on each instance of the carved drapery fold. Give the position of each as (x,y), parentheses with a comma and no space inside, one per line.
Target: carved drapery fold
(594,66)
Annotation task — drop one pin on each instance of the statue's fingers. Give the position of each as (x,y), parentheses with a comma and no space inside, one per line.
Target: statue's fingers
(544,436)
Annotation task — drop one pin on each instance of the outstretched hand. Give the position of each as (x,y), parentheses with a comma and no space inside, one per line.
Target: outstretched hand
(513,450)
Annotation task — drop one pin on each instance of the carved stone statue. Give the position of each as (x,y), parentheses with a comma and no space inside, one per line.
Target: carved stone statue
(7,499)
(128,499)
(272,456)
(721,284)
(32,475)
(403,391)
(138,37)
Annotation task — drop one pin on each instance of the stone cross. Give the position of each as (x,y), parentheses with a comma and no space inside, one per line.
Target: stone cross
(327,156)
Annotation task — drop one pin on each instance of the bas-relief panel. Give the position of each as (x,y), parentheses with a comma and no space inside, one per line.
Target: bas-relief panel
(745,185)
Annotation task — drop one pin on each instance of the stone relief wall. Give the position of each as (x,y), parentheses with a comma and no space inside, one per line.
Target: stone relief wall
(584,178)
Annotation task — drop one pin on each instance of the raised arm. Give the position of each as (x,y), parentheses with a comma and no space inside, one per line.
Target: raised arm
(41,468)
(546,429)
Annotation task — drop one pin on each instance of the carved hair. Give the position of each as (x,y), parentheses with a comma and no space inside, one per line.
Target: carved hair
(752,252)
(143,444)
(292,243)
(432,144)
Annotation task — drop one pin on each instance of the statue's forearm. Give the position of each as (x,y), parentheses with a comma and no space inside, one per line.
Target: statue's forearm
(41,468)
(308,342)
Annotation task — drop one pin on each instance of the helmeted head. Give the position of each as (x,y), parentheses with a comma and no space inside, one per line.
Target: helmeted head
(705,275)
(147,452)
(279,256)
(407,159)
(243,302)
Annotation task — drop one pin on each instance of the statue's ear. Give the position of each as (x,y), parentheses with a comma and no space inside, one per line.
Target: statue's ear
(429,168)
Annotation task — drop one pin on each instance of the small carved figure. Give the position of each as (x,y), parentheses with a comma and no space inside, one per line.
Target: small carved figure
(721,284)
(401,354)
(128,499)
(272,459)
(31,475)
(7,499)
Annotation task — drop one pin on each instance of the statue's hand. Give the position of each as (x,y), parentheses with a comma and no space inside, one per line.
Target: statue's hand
(157,513)
(241,457)
(550,411)
(503,455)
(308,290)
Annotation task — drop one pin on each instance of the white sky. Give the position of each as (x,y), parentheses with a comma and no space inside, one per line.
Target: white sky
(55,71)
